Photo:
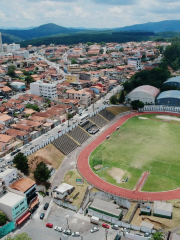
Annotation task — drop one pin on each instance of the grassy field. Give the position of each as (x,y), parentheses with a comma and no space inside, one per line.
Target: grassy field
(70,178)
(141,145)
(117,110)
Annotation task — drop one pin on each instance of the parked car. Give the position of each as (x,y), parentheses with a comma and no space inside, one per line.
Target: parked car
(105,225)
(67,232)
(12,153)
(46,134)
(25,146)
(30,143)
(49,225)
(54,188)
(1,159)
(31,148)
(118,237)
(116,227)
(147,235)
(128,230)
(59,229)
(95,229)
(46,206)
(42,215)
(76,234)
(17,150)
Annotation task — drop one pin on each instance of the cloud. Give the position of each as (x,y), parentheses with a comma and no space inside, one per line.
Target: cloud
(116,2)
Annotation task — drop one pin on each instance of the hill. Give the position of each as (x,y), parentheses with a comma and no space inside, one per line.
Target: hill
(98,37)
(41,31)
(162,26)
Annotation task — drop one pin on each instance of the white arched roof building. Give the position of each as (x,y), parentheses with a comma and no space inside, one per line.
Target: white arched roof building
(145,94)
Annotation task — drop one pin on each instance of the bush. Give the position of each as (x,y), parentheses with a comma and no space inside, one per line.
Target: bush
(3,218)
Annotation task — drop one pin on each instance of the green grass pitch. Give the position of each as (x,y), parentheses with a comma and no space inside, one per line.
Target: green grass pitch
(140,145)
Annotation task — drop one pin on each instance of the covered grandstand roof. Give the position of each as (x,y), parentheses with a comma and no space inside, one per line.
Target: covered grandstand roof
(173,79)
(169,94)
(147,89)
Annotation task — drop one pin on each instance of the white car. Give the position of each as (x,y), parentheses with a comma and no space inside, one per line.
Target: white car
(76,234)
(1,159)
(46,134)
(95,229)
(59,229)
(25,146)
(116,227)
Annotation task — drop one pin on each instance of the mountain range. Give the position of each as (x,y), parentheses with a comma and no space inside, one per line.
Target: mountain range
(50,29)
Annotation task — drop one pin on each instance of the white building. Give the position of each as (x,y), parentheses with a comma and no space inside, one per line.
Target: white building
(145,94)
(0,43)
(23,53)
(63,190)
(13,205)
(163,209)
(8,176)
(136,62)
(47,90)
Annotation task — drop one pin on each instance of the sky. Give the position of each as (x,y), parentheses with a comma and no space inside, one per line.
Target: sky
(86,13)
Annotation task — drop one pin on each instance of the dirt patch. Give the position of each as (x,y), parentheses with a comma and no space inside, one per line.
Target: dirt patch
(116,173)
(98,167)
(34,161)
(50,155)
(117,110)
(144,118)
(169,118)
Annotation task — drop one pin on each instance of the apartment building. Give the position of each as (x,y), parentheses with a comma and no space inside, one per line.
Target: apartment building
(83,96)
(46,90)
(135,62)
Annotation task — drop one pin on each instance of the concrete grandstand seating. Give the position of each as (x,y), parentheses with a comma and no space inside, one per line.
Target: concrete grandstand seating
(98,120)
(106,114)
(79,134)
(88,124)
(65,144)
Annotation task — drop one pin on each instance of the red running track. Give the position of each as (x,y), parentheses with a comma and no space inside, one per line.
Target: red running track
(92,178)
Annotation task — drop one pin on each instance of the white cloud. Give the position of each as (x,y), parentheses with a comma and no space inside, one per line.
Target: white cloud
(86,13)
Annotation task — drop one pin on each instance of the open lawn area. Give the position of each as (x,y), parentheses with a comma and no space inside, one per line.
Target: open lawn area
(143,143)
(117,110)
(70,178)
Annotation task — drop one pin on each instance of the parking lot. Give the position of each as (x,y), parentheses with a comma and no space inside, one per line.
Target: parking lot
(37,229)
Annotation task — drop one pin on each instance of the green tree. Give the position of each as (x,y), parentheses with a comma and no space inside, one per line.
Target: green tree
(21,163)
(113,99)
(121,97)
(157,236)
(29,79)
(89,43)
(33,106)
(137,104)
(3,218)
(22,236)
(11,71)
(42,173)
(101,51)
(121,49)
(73,61)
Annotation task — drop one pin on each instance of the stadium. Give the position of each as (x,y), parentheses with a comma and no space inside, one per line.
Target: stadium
(139,161)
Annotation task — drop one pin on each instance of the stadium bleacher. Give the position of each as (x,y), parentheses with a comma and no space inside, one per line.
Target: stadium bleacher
(98,120)
(79,134)
(106,114)
(65,144)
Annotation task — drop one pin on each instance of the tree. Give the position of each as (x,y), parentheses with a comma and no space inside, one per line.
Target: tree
(157,236)
(121,49)
(113,99)
(29,79)
(89,43)
(136,104)
(33,106)
(22,236)
(121,97)
(11,71)
(42,173)
(3,218)
(101,51)
(73,61)
(21,163)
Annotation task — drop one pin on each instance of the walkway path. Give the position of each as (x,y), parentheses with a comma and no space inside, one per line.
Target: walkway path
(91,177)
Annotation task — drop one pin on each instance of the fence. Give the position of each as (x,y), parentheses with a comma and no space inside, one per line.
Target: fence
(160,108)
(66,205)
(7,229)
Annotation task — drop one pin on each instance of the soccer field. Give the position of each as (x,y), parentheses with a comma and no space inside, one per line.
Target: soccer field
(140,145)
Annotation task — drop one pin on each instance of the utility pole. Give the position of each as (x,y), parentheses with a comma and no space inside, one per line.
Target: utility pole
(106,233)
